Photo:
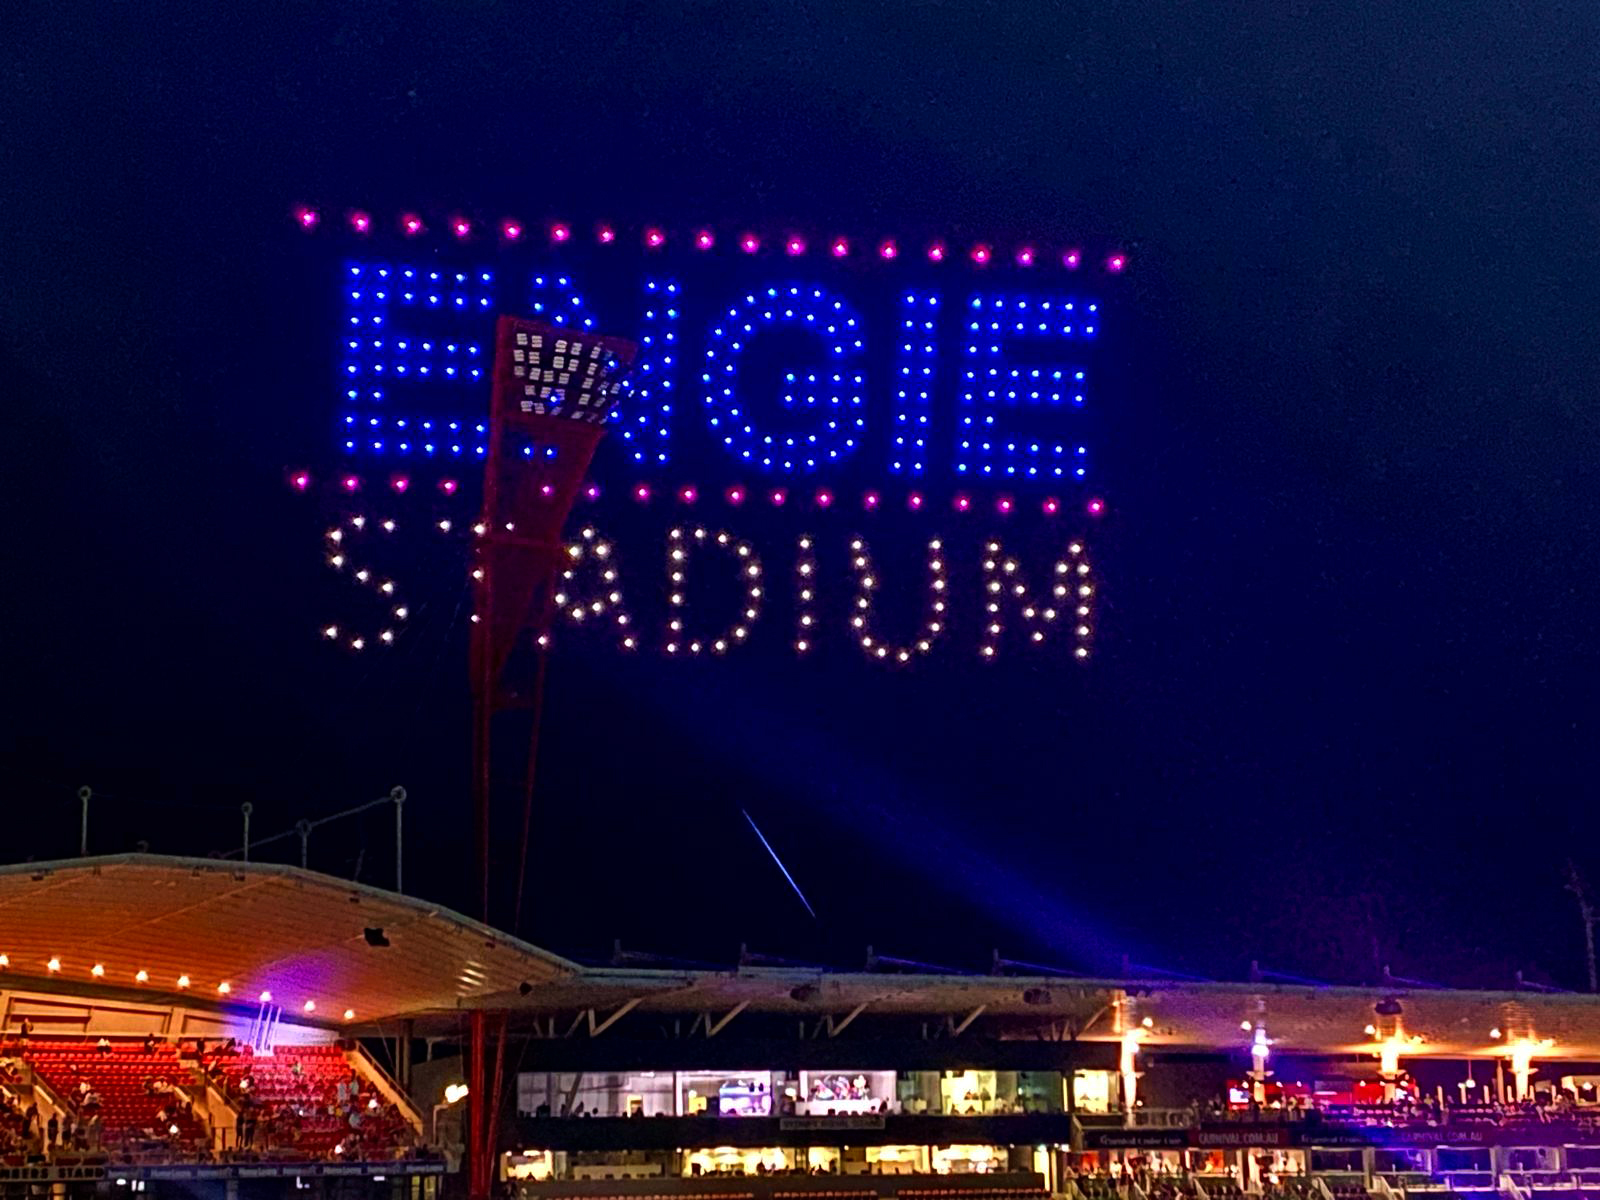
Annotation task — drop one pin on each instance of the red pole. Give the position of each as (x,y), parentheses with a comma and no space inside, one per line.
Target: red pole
(478,1101)
(529,780)
(491,1134)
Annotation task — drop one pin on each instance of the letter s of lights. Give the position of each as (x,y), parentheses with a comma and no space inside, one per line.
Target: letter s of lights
(832,391)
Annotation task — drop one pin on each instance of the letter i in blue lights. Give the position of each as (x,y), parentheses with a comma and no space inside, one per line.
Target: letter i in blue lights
(914,360)
(409,332)
(993,437)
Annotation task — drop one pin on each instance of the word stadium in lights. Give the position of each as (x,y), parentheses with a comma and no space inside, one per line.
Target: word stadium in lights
(716,598)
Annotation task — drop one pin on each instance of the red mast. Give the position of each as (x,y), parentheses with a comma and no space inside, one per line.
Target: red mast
(553,390)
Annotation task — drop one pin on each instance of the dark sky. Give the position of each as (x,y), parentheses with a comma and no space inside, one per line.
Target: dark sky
(1344,714)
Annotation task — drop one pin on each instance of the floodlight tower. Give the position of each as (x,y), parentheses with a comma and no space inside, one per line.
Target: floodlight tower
(553,390)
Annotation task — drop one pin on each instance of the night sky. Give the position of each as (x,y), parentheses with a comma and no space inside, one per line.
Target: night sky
(1343,711)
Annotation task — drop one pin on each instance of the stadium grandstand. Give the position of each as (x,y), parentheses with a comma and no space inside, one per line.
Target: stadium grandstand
(187,1026)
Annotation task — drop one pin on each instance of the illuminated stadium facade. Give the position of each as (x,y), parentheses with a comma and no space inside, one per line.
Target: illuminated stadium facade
(195,1026)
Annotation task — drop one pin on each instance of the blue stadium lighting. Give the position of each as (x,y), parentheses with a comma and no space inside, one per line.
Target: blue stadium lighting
(837,393)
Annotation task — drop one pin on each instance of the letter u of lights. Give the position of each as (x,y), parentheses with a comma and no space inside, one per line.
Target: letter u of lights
(833,391)
(867,583)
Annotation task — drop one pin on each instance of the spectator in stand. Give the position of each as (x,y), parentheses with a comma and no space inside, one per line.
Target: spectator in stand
(25,1031)
(103,1045)
(52,1131)
(149,1043)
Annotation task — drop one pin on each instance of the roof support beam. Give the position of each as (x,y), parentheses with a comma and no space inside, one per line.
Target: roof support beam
(835,1028)
(623,1010)
(957,1029)
(722,1023)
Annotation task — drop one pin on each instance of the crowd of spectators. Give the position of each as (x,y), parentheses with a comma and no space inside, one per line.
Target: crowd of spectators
(305,1100)
(1408,1110)
(146,1101)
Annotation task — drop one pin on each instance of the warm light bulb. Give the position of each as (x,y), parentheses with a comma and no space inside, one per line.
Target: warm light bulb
(311,1006)
(97,970)
(141,976)
(224,988)
(183,981)
(53,965)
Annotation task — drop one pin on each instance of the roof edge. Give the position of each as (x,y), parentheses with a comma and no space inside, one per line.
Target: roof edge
(319,879)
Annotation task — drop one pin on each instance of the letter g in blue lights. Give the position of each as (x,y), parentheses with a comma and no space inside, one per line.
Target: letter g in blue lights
(828,396)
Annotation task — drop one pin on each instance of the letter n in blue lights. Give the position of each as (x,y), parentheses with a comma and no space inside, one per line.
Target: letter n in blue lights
(1014,409)
(829,395)
(644,413)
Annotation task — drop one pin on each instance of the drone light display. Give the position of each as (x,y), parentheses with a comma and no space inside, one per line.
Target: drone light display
(833,445)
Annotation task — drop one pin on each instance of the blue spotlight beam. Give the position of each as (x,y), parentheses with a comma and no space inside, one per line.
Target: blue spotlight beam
(779,861)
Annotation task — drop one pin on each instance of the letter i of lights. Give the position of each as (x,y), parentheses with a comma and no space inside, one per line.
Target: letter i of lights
(601,551)
(867,583)
(1003,579)
(679,541)
(805,568)
(918,352)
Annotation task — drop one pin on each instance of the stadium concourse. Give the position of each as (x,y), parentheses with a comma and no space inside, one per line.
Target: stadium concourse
(183,1025)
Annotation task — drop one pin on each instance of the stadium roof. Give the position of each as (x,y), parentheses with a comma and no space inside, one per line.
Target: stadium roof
(1182,1015)
(306,936)
(300,935)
